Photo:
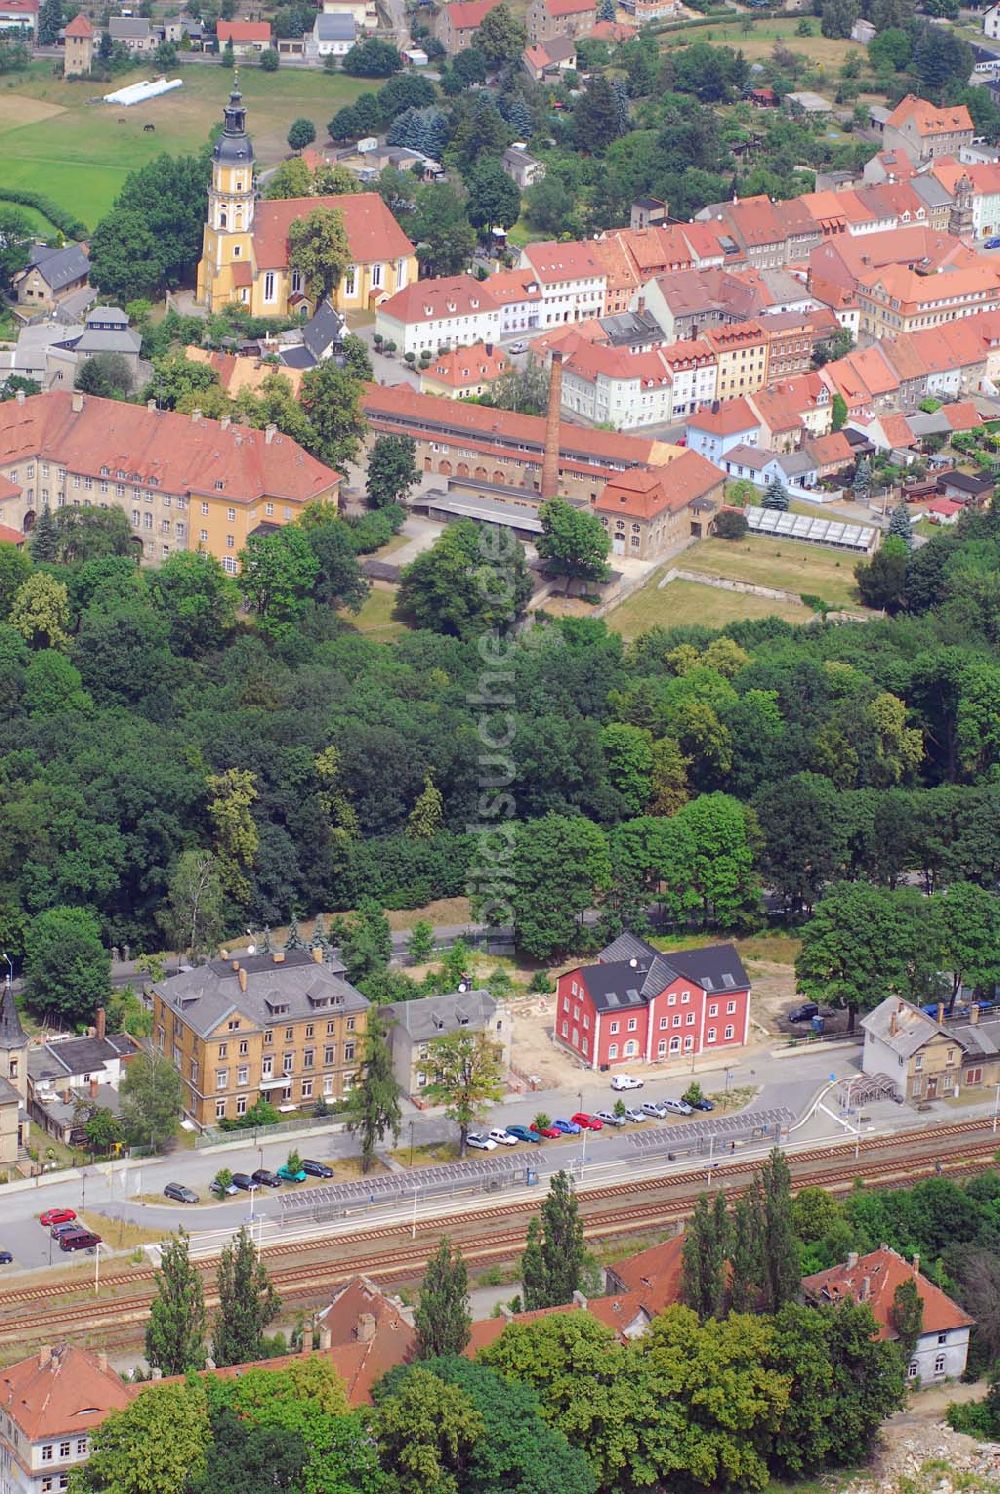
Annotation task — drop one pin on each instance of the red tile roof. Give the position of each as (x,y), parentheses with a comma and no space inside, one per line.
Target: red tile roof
(244,31)
(653,1275)
(10,536)
(178,452)
(61,1392)
(732,416)
(79,26)
(372,232)
(896,429)
(8,489)
(828,450)
(436,300)
(874,1278)
(508,287)
(963,416)
(553,262)
(612,31)
(557,8)
(466,366)
(466,15)
(644,495)
(928,119)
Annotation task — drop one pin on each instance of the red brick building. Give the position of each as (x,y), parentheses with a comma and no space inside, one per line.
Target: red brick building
(639,1006)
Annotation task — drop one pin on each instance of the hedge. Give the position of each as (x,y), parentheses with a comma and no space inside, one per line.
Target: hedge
(65,222)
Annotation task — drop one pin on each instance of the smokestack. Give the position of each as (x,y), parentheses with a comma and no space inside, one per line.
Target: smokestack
(550,460)
(100,1022)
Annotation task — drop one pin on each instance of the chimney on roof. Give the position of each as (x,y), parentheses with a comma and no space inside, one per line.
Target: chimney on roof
(270,431)
(44,1355)
(77,401)
(278,956)
(317,955)
(506,1313)
(102,1363)
(893,1025)
(100,1022)
(94,1086)
(866,1289)
(974,1013)
(195,415)
(916,1264)
(157,1374)
(365,1330)
(550,458)
(235,964)
(852,1259)
(242,976)
(20,396)
(940,1013)
(225,422)
(325,1340)
(579,1300)
(151,404)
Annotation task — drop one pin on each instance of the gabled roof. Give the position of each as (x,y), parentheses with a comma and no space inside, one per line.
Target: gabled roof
(633,980)
(341,26)
(291,986)
(244,31)
(826,450)
(929,120)
(644,495)
(129,28)
(436,300)
(550,53)
(731,417)
(60,267)
(437,1016)
(874,1279)
(11,1031)
(373,235)
(900,1025)
(79,26)
(553,262)
(61,1392)
(558,8)
(464,366)
(653,1275)
(466,15)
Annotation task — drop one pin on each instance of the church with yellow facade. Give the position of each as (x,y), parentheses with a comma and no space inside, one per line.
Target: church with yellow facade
(245,250)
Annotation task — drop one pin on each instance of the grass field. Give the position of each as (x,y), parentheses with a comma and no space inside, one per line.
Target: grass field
(823,51)
(55,140)
(682,602)
(785,564)
(375,619)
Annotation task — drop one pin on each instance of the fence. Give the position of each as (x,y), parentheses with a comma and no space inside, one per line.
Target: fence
(253,1134)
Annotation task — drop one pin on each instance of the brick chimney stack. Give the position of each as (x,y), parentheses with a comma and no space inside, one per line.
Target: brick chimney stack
(550,459)
(100,1022)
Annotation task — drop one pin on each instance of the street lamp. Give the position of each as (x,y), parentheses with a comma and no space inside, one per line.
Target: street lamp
(97,1267)
(583,1153)
(996,1109)
(411,1142)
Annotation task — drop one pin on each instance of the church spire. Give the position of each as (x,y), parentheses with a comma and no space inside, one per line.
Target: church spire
(233,146)
(11,1031)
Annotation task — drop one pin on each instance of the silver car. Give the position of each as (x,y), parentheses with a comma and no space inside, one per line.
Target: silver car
(609,1118)
(654,1110)
(636,1115)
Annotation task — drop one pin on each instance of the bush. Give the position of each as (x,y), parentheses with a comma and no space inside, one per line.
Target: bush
(730,524)
(65,222)
(269,60)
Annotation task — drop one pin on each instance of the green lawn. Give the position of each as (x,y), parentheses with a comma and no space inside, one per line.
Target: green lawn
(687,602)
(56,140)
(375,619)
(759,39)
(789,565)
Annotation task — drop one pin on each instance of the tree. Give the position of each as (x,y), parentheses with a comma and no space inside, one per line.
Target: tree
(330,397)
(50,22)
(746,1254)
(468,1076)
(178,383)
(559,865)
(501,37)
(248,1303)
(372,58)
(862,944)
(270,60)
(731,524)
(319,250)
(278,574)
(970,928)
(838,409)
(554,1256)
(102,1130)
(706,1242)
(775,494)
(67,970)
(862,484)
(899,524)
(392,470)
(442,1317)
(523,390)
(426,1433)
(43,540)
(291,178)
(153,1446)
(494,198)
(15,568)
(467,583)
(780,1252)
(16,235)
(573,542)
(907,1318)
(151,1097)
(198,599)
(882,580)
(420,945)
(339,582)
(152,238)
(444,238)
(301,132)
(366,947)
(237,839)
(175,1331)
(373,1102)
(40,611)
(597,117)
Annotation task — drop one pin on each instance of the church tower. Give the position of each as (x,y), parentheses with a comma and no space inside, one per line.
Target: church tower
(13,1044)
(960,219)
(225,273)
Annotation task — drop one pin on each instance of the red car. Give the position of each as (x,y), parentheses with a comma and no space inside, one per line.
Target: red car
(56,1216)
(549,1132)
(587,1122)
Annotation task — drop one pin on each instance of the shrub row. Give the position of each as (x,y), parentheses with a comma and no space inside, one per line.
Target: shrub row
(65,222)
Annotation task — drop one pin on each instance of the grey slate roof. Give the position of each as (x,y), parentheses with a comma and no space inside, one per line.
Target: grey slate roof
(914,1028)
(71,1058)
(95,340)
(60,267)
(795,462)
(325,329)
(129,28)
(437,1016)
(11,1031)
(8,1094)
(334,27)
(207,994)
(631,972)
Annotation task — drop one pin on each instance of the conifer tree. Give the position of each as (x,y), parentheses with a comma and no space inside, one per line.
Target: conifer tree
(899,524)
(175,1332)
(295,939)
(553,1260)
(319,939)
(373,1103)
(746,1254)
(779,1248)
(706,1244)
(775,494)
(862,485)
(442,1317)
(425,817)
(248,1302)
(44,541)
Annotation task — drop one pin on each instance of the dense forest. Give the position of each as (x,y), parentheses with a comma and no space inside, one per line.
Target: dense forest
(153,713)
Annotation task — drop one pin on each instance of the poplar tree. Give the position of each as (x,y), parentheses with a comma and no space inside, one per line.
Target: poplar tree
(780,1252)
(554,1257)
(706,1244)
(442,1317)
(248,1302)
(175,1332)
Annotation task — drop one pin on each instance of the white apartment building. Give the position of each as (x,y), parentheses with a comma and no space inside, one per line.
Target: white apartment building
(49,1406)
(571,280)
(435,314)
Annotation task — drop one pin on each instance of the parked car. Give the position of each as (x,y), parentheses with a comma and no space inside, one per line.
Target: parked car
(288,1176)
(568,1128)
(990,244)
(523,1133)
(636,1115)
(480,1143)
(548,1132)
(56,1216)
(316,1169)
(245,1181)
(268,1178)
(6,1259)
(180,1194)
(586,1122)
(222,1192)
(804,1013)
(608,1118)
(676,1107)
(80,1239)
(625,1081)
(66,1228)
(654,1110)
(702,1104)
(522,347)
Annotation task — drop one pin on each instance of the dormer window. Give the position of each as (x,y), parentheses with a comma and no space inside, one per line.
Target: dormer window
(105,472)
(219,484)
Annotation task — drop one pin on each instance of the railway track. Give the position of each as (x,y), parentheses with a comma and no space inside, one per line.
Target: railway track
(834,1169)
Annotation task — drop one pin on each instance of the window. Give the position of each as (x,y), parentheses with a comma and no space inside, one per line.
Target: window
(269,286)
(710,1035)
(918,1062)
(81,1447)
(632,1024)
(729,1031)
(565,1033)
(942,1338)
(204,509)
(230,542)
(269,509)
(672,999)
(220,1110)
(730,1008)
(47,1453)
(231,515)
(229,565)
(689,1020)
(713,1010)
(664,1022)
(675,1045)
(307,1058)
(287,1062)
(631,1048)
(613,1050)
(135,517)
(203,536)
(309,1029)
(222,1078)
(243,1074)
(348,1052)
(241,1104)
(307,1089)
(677,1020)
(350,1024)
(329,1055)
(267,1067)
(939,1363)
(351,281)
(330,1028)
(244,1047)
(685,997)
(661,1048)
(64,1449)
(223,1050)
(688,1044)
